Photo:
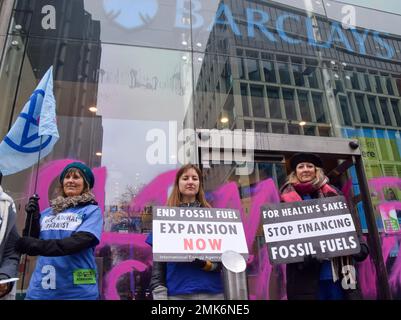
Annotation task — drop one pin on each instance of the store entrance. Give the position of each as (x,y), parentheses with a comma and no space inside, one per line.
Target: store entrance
(268,167)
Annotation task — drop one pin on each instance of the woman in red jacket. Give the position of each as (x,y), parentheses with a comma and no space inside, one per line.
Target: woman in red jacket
(314,279)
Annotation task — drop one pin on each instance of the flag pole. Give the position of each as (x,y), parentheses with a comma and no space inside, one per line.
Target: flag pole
(35,195)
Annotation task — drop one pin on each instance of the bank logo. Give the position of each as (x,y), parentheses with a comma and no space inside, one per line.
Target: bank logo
(131,14)
(30,142)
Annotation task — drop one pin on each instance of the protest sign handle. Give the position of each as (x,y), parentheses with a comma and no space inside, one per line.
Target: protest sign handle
(37,169)
(35,195)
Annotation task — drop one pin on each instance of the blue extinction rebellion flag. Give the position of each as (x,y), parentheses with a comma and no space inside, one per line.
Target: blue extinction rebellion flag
(34,131)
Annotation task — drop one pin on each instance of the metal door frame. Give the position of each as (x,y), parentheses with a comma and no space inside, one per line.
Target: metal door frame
(270,145)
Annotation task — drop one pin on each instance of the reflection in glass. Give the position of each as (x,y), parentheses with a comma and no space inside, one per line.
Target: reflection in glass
(373,110)
(389,84)
(319,108)
(366,82)
(313,78)
(278,128)
(304,106)
(284,73)
(274,103)
(269,71)
(298,76)
(386,113)
(361,109)
(379,88)
(396,109)
(258,107)
(289,105)
(244,99)
(260,126)
(345,111)
(253,69)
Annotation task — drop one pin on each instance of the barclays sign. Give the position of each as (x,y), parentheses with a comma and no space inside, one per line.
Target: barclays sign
(131,14)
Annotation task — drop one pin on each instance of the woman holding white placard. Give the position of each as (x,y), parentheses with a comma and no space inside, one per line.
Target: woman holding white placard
(197,280)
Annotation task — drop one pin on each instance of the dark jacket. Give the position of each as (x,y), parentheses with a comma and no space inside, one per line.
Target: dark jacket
(9,257)
(303,277)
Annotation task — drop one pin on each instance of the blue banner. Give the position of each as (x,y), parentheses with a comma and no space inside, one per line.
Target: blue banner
(34,131)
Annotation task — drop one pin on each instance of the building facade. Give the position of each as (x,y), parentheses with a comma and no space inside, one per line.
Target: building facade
(143,87)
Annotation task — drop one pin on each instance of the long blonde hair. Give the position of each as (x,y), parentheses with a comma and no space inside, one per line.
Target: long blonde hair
(293,179)
(174,199)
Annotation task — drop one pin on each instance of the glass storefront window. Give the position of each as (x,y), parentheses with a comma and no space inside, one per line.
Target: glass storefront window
(303,101)
(319,107)
(386,112)
(274,103)
(269,71)
(284,72)
(373,110)
(258,106)
(396,109)
(361,109)
(135,81)
(289,105)
(162,24)
(9,71)
(253,69)
(345,111)
(244,98)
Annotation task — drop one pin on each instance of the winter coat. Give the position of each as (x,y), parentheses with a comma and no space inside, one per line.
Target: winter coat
(303,278)
(9,257)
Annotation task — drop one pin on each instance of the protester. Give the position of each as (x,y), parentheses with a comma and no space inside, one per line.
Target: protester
(64,236)
(197,280)
(313,278)
(9,257)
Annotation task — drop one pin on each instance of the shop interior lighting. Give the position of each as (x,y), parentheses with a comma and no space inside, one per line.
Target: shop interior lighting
(224,119)
(302,123)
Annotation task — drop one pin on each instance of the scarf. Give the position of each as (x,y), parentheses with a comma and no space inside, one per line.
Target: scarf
(61,203)
(294,192)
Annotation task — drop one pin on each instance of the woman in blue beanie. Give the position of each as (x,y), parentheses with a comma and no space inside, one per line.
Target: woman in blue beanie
(64,237)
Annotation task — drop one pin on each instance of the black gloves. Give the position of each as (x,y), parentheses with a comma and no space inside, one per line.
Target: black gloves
(362,255)
(32,221)
(199,263)
(56,247)
(24,244)
(32,207)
